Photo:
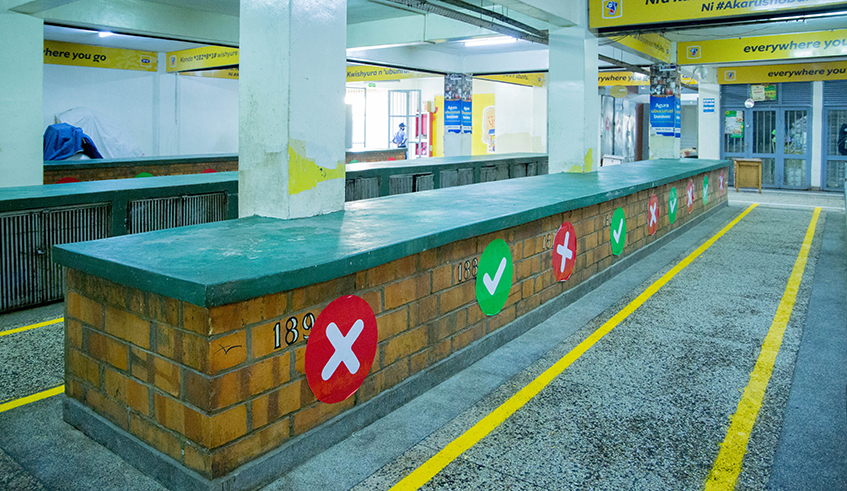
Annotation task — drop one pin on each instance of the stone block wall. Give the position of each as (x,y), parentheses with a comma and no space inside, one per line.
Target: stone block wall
(214,388)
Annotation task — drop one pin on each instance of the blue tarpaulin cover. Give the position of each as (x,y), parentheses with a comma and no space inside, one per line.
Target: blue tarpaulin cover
(63,140)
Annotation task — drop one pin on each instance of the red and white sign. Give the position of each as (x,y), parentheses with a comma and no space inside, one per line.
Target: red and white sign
(721,180)
(690,200)
(564,252)
(653,214)
(341,349)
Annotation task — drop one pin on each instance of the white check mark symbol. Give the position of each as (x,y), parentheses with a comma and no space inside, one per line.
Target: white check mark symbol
(491,285)
(673,205)
(617,234)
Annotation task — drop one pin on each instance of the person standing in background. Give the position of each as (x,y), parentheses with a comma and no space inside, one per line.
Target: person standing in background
(400,137)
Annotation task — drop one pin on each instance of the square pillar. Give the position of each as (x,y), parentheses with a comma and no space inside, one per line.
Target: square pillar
(291,128)
(573,101)
(21,127)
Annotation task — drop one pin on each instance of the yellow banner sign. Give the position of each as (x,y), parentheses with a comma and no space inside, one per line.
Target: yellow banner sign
(367,73)
(527,79)
(58,53)
(610,79)
(619,13)
(230,73)
(765,74)
(776,47)
(659,47)
(200,58)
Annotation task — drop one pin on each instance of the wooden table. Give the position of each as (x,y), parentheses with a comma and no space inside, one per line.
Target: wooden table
(748,173)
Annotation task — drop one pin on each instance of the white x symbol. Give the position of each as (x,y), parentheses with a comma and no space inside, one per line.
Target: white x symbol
(690,196)
(343,348)
(563,251)
(721,183)
(653,213)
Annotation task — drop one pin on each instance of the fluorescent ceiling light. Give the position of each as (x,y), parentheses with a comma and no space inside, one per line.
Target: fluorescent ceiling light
(490,41)
(103,34)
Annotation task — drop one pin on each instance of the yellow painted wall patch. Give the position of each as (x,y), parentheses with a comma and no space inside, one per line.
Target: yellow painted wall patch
(304,173)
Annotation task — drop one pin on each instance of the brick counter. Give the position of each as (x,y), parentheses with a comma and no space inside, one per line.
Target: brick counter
(190,367)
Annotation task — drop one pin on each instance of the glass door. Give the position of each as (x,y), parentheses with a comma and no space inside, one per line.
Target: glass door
(764,138)
(796,161)
(835,149)
(777,136)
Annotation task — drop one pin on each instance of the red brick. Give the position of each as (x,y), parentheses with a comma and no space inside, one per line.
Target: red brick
(106,349)
(404,345)
(313,416)
(228,351)
(457,296)
(392,323)
(166,376)
(270,407)
(407,290)
(84,309)
(84,367)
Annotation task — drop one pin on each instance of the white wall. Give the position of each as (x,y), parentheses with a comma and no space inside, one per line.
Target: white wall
(124,97)
(208,115)
(165,114)
(521,112)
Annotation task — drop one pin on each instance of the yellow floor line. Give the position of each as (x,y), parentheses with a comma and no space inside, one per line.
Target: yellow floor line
(454,449)
(33,326)
(728,464)
(23,401)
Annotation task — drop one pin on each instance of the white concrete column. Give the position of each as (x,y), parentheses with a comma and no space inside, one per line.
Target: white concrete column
(817,130)
(21,105)
(709,124)
(573,103)
(291,107)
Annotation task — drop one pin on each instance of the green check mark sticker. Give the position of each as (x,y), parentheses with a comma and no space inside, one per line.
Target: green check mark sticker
(494,277)
(673,205)
(618,236)
(705,190)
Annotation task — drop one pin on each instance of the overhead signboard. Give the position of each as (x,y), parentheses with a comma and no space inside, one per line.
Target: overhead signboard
(777,47)
(201,58)
(654,45)
(229,73)
(605,14)
(766,74)
(526,79)
(58,53)
(367,73)
(610,79)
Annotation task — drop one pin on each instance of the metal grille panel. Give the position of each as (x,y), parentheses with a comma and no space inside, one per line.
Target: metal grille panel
(764,126)
(834,122)
(835,173)
(734,95)
(147,215)
(835,93)
(796,93)
(28,275)
(20,241)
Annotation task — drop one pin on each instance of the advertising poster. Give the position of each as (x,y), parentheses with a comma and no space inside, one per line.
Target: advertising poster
(665,111)
(734,124)
(453,84)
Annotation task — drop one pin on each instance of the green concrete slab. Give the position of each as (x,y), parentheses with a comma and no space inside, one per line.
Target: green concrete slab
(49,195)
(425,165)
(225,262)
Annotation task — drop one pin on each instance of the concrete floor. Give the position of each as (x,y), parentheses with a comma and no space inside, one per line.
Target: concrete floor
(645,408)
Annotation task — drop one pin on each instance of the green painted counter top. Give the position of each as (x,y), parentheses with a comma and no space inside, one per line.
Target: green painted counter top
(224,262)
(431,163)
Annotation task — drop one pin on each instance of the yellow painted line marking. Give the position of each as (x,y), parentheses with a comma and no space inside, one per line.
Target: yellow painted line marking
(486,425)
(728,464)
(33,326)
(23,401)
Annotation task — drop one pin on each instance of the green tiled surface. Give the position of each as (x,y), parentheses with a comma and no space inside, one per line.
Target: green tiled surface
(225,262)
